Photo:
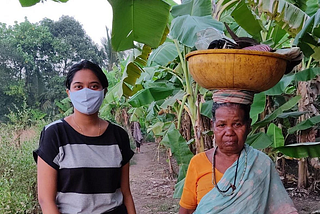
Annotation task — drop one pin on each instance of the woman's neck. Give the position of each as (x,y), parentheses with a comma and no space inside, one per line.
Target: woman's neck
(224,160)
(228,156)
(84,119)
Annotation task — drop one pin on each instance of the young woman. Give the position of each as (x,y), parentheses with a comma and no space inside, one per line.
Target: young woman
(83,160)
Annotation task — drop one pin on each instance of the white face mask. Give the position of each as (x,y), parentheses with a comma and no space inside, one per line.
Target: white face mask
(87,101)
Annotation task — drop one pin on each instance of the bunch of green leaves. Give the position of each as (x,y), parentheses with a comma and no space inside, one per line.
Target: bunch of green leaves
(17,173)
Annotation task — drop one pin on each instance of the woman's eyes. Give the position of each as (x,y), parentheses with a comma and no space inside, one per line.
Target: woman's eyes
(236,125)
(221,125)
(93,87)
(77,87)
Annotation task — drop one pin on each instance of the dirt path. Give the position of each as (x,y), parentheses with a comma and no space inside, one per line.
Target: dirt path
(152,188)
(151,185)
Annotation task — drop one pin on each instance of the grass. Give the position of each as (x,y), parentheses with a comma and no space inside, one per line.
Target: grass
(17,174)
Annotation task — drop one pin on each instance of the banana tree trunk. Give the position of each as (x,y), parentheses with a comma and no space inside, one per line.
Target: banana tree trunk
(198,128)
(305,135)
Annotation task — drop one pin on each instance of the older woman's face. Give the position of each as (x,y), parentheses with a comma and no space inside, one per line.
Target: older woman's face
(230,130)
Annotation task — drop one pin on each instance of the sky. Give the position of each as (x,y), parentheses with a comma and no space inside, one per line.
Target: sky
(94,15)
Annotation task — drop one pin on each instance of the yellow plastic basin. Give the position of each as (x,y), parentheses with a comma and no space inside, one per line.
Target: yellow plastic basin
(236,69)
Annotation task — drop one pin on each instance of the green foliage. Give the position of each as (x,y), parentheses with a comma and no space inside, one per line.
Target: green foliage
(28,3)
(284,83)
(243,15)
(17,173)
(276,134)
(24,117)
(306,124)
(269,118)
(301,150)
(149,95)
(308,37)
(140,21)
(191,25)
(34,59)
(259,140)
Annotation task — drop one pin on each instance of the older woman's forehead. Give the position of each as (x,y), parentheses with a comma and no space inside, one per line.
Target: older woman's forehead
(227,110)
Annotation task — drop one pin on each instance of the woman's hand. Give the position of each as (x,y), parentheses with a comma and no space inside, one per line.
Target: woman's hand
(47,187)
(185,211)
(125,189)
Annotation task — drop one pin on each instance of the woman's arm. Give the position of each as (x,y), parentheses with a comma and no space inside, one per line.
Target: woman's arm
(47,187)
(185,211)
(125,189)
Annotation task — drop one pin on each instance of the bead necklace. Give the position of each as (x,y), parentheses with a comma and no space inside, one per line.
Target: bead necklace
(81,129)
(232,186)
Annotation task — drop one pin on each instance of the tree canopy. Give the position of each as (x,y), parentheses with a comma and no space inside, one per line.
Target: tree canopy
(34,57)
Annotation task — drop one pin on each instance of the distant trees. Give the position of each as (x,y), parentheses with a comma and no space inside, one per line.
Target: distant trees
(34,59)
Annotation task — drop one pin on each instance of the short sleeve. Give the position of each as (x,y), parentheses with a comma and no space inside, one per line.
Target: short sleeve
(189,195)
(48,148)
(124,144)
(126,151)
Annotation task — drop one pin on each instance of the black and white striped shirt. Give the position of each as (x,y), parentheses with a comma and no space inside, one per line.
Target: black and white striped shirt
(89,168)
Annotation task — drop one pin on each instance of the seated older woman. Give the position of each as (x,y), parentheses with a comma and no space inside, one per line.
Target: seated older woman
(233,177)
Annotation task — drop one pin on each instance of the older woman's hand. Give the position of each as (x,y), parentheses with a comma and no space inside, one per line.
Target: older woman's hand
(185,211)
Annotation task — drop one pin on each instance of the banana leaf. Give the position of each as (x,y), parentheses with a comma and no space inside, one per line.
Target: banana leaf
(180,150)
(305,75)
(269,118)
(192,8)
(178,188)
(243,16)
(136,114)
(172,100)
(287,15)
(142,21)
(306,124)
(28,3)
(307,39)
(206,108)
(294,114)
(133,72)
(259,140)
(184,28)
(163,55)
(275,133)
(258,105)
(149,95)
(312,7)
(174,140)
(156,128)
(280,87)
(301,150)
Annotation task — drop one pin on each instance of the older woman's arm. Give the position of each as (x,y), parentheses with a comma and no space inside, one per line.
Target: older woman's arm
(47,187)
(125,189)
(183,210)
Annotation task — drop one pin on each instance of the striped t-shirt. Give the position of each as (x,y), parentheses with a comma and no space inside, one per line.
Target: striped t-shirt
(89,168)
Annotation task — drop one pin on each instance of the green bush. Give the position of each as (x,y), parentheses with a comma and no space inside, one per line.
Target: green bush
(17,174)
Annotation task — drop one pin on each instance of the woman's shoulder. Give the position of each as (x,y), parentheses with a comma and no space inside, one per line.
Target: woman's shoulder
(116,128)
(54,124)
(260,155)
(200,157)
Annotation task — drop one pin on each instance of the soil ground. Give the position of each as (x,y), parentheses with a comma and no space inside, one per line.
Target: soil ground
(152,185)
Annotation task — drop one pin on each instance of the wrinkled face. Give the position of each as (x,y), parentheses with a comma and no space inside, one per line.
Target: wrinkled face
(230,130)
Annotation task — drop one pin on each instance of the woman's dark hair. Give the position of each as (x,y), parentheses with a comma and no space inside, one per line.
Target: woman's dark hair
(245,108)
(86,64)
